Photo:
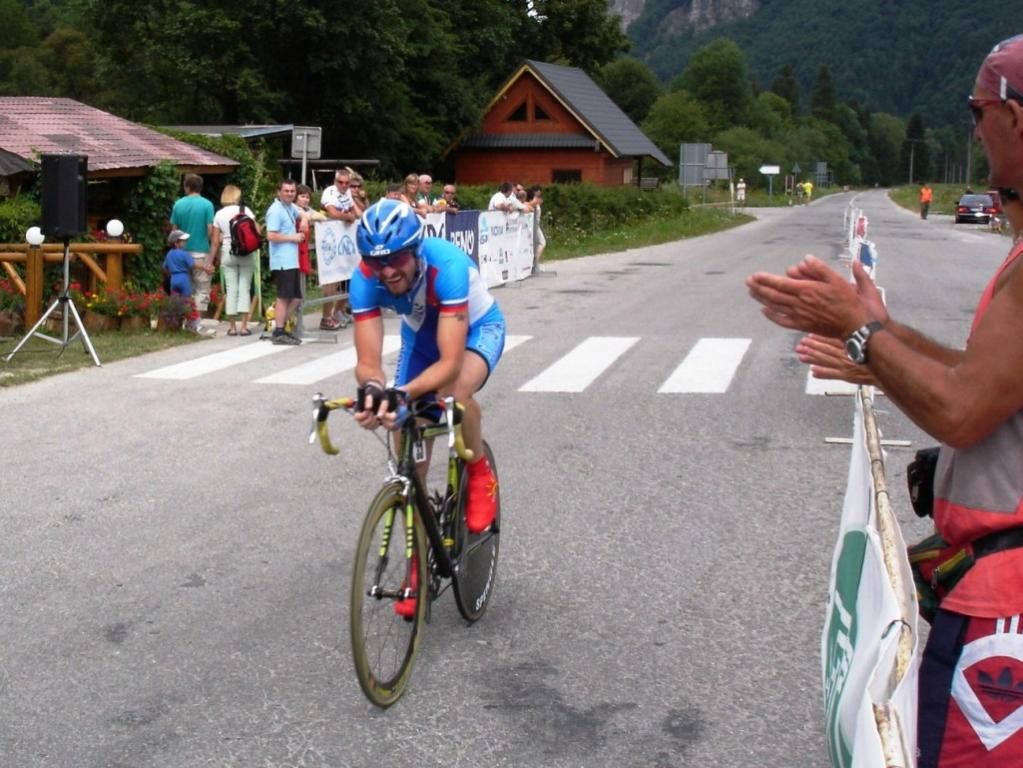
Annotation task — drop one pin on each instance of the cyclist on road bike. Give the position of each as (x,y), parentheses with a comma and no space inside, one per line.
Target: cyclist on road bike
(452,332)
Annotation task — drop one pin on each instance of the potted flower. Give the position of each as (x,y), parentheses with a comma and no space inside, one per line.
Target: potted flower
(216,297)
(101,312)
(12,306)
(172,310)
(134,310)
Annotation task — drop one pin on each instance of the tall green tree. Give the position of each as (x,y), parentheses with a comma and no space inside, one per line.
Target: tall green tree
(885,135)
(631,85)
(716,76)
(676,118)
(822,100)
(915,155)
(770,115)
(787,86)
(580,33)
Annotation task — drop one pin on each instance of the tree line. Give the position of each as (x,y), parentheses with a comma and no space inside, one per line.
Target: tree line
(714,100)
(401,80)
(398,80)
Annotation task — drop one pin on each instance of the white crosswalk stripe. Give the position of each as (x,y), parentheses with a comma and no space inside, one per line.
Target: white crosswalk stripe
(325,367)
(510,342)
(218,361)
(708,368)
(579,368)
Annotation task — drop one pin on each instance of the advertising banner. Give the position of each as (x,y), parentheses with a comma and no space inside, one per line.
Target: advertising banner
(505,246)
(463,230)
(501,244)
(870,710)
(336,253)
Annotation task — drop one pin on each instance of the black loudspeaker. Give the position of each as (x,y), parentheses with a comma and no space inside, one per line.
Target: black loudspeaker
(64,195)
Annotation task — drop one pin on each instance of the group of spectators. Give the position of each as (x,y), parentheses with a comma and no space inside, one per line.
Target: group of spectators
(513,198)
(200,242)
(416,191)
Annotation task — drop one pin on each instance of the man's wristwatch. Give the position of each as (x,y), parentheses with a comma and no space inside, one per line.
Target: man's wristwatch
(856,345)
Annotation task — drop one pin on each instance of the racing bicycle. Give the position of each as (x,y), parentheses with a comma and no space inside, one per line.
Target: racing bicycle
(413,545)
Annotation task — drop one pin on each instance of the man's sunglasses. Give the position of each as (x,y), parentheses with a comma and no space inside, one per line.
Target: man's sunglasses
(977,106)
(395,260)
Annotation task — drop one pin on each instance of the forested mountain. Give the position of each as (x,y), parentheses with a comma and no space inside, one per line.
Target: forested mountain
(894,56)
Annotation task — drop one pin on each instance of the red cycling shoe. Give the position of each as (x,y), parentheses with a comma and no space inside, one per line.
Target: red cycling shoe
(406,607)
(481,506)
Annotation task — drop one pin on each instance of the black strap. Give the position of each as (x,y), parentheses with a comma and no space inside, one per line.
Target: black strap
(998,541)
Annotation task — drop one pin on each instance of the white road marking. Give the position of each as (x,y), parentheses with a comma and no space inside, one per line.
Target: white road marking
(324,367)
(217,361)
(510,342)
(580,367)
(827,386)
(708,368)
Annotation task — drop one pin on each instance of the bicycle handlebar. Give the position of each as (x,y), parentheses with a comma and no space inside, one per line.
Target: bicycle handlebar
(453,412)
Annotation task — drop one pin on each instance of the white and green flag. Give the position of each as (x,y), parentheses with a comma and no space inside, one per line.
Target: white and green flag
(869,647)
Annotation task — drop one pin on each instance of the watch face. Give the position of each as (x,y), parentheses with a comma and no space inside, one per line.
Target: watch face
(854,349)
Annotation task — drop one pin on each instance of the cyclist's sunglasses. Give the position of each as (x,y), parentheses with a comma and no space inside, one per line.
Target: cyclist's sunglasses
(396,260)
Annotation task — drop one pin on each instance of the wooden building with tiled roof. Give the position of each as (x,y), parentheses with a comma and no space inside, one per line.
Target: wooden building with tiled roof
(551,123)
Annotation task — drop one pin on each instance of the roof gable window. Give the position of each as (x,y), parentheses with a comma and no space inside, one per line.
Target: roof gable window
(540,114)
(520,115)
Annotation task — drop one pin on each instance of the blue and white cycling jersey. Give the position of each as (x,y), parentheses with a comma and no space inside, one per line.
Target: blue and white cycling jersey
(448,281)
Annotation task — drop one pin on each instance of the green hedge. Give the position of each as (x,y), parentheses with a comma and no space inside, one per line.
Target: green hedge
(17,214)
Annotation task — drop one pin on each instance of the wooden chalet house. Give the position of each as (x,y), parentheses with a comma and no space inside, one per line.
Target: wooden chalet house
(551,123)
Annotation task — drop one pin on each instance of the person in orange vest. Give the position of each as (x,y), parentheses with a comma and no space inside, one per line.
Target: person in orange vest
(926,195)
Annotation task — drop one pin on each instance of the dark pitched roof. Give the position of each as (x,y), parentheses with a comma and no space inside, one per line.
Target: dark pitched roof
(577,91)
(12,164)
(34,125)
(530,141)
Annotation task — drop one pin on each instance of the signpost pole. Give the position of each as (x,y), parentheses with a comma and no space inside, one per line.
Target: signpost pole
(310,138)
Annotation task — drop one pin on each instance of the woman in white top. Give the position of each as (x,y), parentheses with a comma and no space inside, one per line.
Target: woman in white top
(237,270)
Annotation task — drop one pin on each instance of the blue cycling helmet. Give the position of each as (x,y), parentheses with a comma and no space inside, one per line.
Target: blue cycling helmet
(388,226)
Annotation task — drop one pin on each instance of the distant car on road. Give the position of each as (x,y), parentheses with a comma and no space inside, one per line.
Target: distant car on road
(996,198)
(975,208)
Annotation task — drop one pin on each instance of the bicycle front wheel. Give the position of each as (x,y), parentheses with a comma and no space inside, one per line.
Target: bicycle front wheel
(390,569)
(476,561)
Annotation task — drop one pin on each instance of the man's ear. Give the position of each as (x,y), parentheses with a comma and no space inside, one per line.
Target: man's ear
(1017,114)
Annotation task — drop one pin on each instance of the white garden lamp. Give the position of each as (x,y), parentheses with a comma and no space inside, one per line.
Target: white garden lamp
(34,237)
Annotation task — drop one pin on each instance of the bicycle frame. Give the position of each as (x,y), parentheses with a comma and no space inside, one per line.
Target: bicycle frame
(405,471)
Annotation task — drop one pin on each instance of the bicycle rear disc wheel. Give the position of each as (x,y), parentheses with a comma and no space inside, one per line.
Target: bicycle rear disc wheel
(384,643)
(476,562)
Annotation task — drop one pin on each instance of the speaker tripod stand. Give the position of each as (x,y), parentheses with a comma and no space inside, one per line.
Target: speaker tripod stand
(68,306)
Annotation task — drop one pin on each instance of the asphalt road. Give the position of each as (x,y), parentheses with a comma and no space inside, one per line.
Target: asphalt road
(174,565)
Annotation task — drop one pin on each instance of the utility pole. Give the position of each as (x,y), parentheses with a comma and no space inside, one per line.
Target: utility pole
(969,155)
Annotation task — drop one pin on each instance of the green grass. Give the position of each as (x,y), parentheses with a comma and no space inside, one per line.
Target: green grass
(40,358)
(698,221)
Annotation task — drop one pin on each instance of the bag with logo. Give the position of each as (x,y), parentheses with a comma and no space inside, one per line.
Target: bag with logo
(245,237)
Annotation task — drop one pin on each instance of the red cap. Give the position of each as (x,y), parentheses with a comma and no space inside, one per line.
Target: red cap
(1002,70)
